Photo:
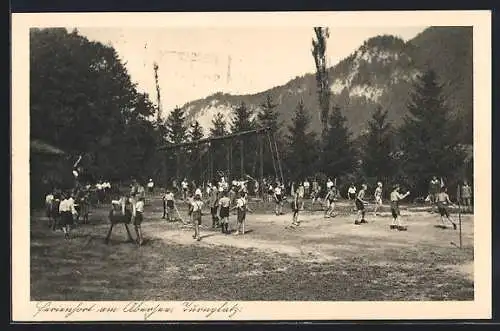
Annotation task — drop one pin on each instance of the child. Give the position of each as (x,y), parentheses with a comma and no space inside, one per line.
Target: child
(466,195)
(396,215)
(296,206)
(360,205)
(196,210)
(307,186)
(278,199)
(242,208)
(224,204)
(442,201)
(67,211)
(213,202)
(168,205)
(49,201)
(330,201)
(378,197)
(137,214)
(351,192)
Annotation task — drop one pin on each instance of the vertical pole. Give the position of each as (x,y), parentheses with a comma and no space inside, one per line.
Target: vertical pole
(210,163)
(242,159)
(261,172)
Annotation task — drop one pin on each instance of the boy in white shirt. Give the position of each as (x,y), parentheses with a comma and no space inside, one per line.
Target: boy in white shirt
(168,205)
(195,209)
(278,198)
(242,208)
(224,204)
(396,216)
(378,197)
(67,211)
(137,214)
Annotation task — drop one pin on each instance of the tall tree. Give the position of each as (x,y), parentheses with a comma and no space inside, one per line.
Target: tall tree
(243,146)
(218,149)
(83,101)
(302,145)
(319,54)
(268,117)
(377,159)
(339,155)
(196,151)
(177,132)
(429,140)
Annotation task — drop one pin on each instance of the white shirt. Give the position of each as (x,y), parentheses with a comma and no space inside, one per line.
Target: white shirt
(197,205)
(67,205)
(184,185)
(352,190)
(139,206)
(197,192)
(75,173)
(169,196)
(98,186)
(306,184)
(277,190)
(240,203)
(49,198)
(151,184)
(329,184)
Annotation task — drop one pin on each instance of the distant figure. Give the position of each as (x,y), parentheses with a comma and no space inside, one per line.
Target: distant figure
(224,203)
(378,197)
(213,202)
(151,185)
(67,212)
(466,195)
(241,208)
(278,199)
(329,184)
(168,205)
(307,189)
(351,192)
(434,188)
(330,201)
(137,214)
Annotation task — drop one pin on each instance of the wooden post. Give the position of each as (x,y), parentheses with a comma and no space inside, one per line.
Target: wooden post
(261,172)
(242,159)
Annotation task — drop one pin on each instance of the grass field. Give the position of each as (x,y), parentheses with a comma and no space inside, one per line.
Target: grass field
(327,259)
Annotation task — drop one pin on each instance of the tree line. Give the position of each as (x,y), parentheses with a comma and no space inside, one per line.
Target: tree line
(83,101)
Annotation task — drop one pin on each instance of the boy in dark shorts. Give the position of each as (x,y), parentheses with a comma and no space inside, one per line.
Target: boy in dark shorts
(213,200)
(137,213)
(224,204)
(168,205)
(443,200)
(195,210)
(67,211)
(330,201)
(396,215)
(296,205)
(278,199)
(360,206)
(241,208)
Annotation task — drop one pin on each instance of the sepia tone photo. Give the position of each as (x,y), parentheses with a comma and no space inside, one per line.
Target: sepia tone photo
(311,163)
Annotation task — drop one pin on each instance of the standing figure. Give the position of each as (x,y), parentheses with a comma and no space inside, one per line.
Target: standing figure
(241,209)
(195,210)
(151,186)
(378,197)
(360,206)
(67,211)
(307,187)
(466,194)
(296,205)
(137,214)
(351,192)
(168,205)
(213,203)
(278,199)
(443,200)
(396,214)
(224,203)
(434,188)
(330,201)
(185,189)
(49,202)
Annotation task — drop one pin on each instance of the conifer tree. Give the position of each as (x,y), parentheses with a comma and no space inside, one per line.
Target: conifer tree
(243,149)
(268,117)
(377,160)
(302,145)
(429,140)
(339,155)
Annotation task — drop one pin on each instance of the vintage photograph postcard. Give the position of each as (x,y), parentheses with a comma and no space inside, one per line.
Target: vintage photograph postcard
(251,166)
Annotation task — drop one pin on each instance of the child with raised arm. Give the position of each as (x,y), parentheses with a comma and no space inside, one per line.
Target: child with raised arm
(396,214)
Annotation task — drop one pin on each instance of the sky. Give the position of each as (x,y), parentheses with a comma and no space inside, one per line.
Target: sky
(197,62)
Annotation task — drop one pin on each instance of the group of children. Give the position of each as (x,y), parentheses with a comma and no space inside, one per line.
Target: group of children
(61,210)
